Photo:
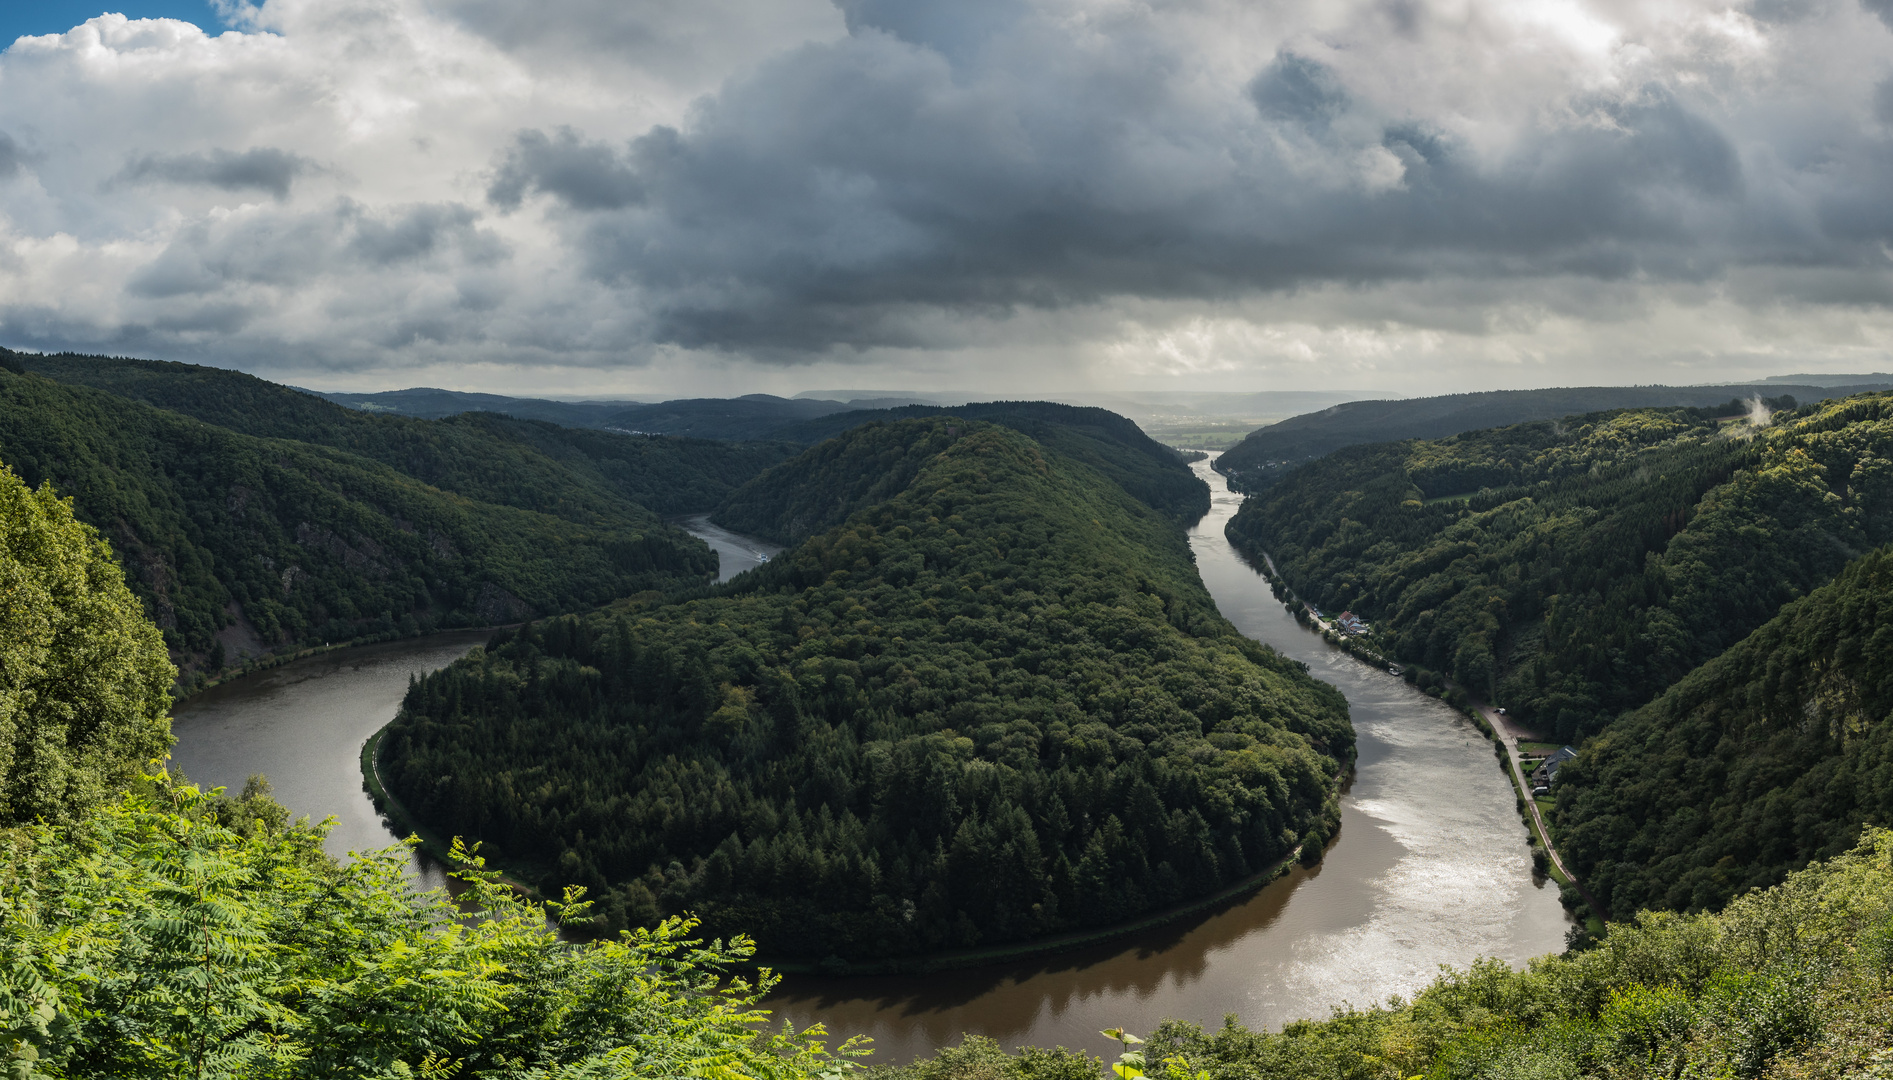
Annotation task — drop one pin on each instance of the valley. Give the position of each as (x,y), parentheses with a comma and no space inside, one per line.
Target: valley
(983,727)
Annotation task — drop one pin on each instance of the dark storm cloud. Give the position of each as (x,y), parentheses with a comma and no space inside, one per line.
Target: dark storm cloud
(11,157)
(262,168)
(584,175)
(1298,90)
(290,249)
(1882,8)
(847,189)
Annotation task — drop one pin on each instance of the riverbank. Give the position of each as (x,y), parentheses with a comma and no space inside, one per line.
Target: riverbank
(256,665)
(961,959)
(1494,725)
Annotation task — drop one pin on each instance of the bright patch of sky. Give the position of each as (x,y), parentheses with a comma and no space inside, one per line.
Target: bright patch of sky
(23,18)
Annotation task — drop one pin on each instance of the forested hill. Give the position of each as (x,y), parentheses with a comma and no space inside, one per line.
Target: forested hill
(1573,570)
(238,543)
(574,473)
(996,704)
(1098,438)
(1266,455)
(1768,757)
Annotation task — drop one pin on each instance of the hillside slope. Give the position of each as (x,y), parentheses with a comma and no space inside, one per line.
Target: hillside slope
(1266,455)
(1768,757)
(994,704)
(1102,440)
(577,474)
(1573,570)
(242,544)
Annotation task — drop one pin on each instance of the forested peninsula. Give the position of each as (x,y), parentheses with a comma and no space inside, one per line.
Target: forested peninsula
(995,702)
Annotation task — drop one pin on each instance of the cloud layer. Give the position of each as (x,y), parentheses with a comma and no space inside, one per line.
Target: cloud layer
(1407,193)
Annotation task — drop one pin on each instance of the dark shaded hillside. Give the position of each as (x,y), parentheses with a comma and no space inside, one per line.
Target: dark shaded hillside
(752,416)
(1266,455)
(580,475)
(241,543)
(1766,758)
(1102,440)
(995,703)
(1573,570)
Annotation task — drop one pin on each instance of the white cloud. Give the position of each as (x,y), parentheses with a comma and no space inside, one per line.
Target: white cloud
(604,196)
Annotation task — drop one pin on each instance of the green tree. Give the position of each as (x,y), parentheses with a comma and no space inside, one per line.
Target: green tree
(84,678)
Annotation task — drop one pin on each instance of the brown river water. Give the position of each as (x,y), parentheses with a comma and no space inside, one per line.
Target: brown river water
(1430,867)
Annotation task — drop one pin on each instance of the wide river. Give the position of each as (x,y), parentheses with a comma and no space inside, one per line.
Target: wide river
(1431,866)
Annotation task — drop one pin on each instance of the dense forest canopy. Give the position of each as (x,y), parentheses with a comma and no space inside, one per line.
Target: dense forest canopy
(84,682)
(1573,570)
(582,475)
(1269,454)
(1762,760)
(995,704)
(1098,438)
(238,541)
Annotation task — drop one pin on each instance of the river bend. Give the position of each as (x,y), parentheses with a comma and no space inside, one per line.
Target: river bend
(1430,867)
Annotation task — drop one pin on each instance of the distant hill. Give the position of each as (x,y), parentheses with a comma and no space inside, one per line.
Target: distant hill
(574,473)
(1870,378)
(240,544)
(431,403)
(1152,472)
(1266,455)
(752,416)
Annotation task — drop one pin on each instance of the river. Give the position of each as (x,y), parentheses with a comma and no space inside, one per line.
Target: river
(1430,868)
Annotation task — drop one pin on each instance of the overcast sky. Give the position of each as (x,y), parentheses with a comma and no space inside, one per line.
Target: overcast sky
(670,196)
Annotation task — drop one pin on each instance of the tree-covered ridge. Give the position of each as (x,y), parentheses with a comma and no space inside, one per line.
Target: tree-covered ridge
(1111,444)
(1269,454)
(291,543)
(1788,983)
(831,482)
(591,477)
(1762,760)
(996,705)
(84,682)
(1573,570)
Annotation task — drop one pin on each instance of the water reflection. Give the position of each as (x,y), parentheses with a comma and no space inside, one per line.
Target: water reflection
(303,725)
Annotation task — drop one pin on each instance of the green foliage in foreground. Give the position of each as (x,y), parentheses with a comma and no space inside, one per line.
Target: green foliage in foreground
(175,934)
(1767,757)
(1792,982)
(1572,571)
(995,705)
(301,544)
(83,677)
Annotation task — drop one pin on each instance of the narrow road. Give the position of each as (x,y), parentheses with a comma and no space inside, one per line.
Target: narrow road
(1508,738)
